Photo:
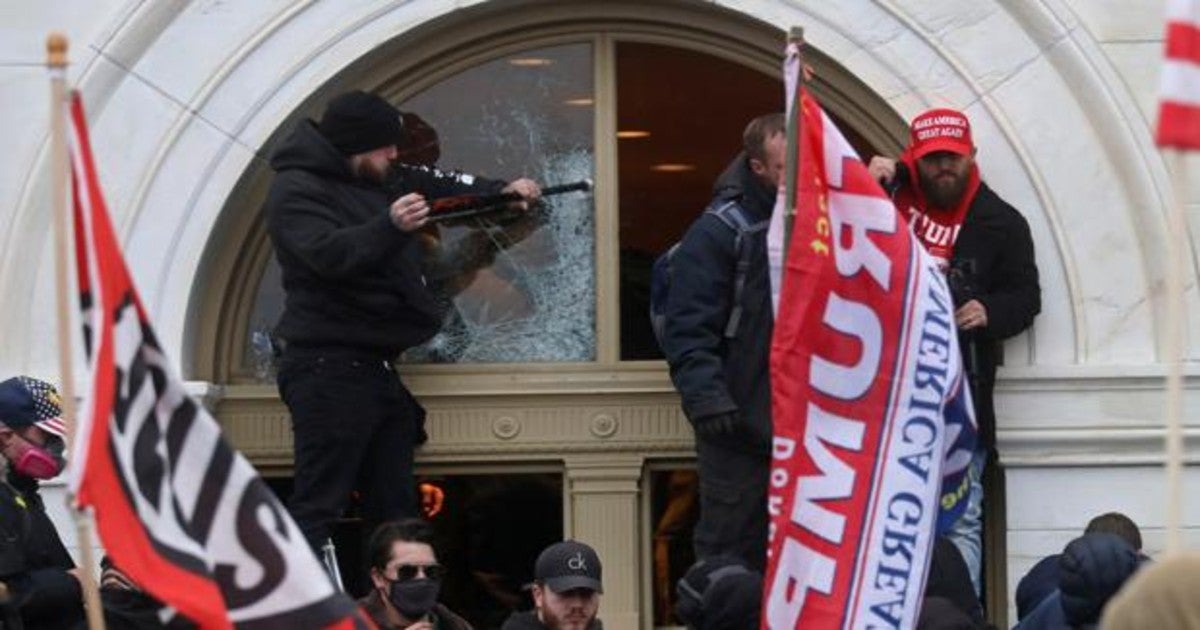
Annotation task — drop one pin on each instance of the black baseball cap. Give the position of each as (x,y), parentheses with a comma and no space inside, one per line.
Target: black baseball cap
(568,565)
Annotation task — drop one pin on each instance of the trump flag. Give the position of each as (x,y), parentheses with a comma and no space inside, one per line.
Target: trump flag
(872,416)
(179,511)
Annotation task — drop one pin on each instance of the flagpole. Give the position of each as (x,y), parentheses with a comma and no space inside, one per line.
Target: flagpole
(1174,351)
(56,63)
(796,37)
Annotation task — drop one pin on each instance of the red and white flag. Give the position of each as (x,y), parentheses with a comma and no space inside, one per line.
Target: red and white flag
(872,416)
(1179,112)
(178,510)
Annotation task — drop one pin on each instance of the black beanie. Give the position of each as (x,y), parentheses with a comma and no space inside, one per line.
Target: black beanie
(357,122)
(719,593)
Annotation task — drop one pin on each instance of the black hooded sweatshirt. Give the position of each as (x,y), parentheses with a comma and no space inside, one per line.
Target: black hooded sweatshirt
(352,278)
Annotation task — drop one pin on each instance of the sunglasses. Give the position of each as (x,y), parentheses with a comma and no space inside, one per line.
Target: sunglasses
(406,572)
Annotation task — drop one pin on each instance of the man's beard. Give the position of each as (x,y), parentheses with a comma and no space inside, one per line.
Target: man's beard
(944,192)
(367,170)
(554,622)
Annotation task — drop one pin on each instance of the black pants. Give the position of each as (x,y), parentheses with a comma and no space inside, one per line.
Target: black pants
(354,427)
(733,503)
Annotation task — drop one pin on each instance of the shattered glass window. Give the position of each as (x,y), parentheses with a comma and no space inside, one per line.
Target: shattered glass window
(518,287)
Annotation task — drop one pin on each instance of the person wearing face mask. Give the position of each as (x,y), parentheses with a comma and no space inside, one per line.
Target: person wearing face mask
(37,575)
(406,579)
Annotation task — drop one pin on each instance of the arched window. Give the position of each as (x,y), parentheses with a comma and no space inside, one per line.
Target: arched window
(651,114)
(546,375)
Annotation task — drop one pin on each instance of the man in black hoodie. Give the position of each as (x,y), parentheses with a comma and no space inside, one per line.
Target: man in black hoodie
(718,362)
(344,220)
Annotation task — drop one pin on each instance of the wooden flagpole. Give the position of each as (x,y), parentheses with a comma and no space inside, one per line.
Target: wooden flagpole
(1174,344)
(56,62)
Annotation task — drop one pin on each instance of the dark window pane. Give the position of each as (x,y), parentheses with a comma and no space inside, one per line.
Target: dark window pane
(489,530)
(695,123)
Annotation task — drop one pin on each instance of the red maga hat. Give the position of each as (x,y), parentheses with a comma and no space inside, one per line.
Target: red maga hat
(940,130)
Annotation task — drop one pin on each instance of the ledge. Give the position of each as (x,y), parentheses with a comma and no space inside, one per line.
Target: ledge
(1049,417)
(1105,447)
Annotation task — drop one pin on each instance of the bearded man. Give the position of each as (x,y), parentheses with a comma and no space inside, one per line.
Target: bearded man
(344,220)
(566,590)
(984,246)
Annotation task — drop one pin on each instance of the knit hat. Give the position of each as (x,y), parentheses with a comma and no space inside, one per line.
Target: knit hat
(719,593)
(940,130)
(568,565)
(358,122)
(26,401)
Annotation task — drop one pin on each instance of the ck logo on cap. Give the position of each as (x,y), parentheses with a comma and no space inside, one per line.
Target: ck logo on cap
(577,563)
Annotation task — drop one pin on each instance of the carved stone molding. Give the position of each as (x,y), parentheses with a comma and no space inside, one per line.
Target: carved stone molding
(1047,417)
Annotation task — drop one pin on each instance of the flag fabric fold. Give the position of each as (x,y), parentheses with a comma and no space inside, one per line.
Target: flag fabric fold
(177,509)
(872,415)
(1179,110)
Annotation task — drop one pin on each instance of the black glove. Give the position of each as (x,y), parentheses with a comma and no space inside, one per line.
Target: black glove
(716,425)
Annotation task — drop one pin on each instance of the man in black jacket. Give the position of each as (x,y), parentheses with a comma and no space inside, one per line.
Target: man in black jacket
(985,247)
(719,363)
(344,221)
(37,575)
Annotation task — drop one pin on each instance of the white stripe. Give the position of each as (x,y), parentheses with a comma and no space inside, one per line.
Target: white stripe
(1183,11)
(83,418)
(1181,82)
(775,244)
(54,425)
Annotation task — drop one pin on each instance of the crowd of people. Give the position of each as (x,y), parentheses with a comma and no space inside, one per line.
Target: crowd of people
(346,221)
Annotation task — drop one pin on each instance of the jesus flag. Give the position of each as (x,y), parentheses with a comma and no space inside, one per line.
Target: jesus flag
(179,511)
(871,413)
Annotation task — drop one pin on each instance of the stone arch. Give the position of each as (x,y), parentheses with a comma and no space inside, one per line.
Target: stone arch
(175,132)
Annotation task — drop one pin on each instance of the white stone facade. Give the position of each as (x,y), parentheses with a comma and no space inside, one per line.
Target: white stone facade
(1062,94)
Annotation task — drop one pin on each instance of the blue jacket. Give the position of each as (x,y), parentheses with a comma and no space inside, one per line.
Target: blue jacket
(1092,567)
(715,375)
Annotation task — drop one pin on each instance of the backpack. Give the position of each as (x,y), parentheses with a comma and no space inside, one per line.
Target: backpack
(731,214)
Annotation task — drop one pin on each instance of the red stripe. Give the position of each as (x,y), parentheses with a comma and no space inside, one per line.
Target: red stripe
(1178,126)
(1183,42)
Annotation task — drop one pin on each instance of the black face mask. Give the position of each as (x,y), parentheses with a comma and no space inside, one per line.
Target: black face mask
(414,598)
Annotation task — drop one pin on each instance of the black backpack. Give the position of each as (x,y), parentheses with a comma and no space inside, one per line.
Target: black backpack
(731,214)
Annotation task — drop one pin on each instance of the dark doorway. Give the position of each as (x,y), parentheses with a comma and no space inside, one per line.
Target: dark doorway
(489,530)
